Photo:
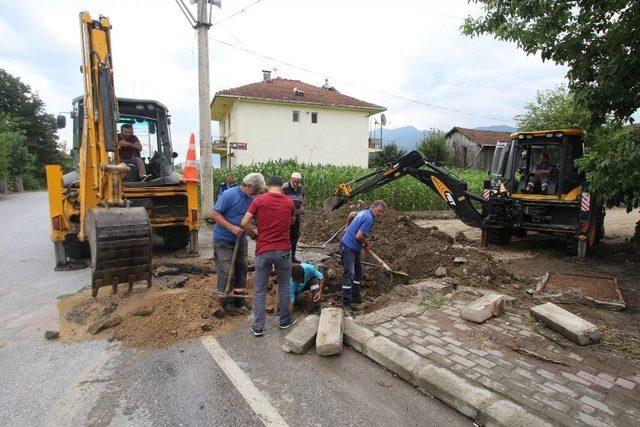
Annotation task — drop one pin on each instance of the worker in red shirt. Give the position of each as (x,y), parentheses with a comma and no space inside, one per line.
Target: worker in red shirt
(274,214)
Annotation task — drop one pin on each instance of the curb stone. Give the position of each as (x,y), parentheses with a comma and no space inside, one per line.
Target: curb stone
(484,406)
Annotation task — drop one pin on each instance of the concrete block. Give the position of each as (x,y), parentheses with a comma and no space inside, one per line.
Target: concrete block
(566,323)
(483,308)
(507,413)
(431,287)
(301,338)
(399,360)
(330,330)
(355,335)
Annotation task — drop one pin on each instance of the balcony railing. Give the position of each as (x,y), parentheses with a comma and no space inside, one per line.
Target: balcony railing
(375,144)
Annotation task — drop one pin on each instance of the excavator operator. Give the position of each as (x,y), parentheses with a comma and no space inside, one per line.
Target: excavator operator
(129,148)
(542,173)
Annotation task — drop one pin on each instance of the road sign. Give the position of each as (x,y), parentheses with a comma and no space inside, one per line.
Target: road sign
(238,145)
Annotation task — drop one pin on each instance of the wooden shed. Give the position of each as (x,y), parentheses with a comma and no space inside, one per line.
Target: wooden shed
(472,148)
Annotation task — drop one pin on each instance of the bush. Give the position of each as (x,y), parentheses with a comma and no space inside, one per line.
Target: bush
(405,194)
(435,149)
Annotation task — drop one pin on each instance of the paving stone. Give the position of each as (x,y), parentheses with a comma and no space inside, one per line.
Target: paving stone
(355,335)
(440,360)
(461,360)
(625,383)
(525,364)
(452,341)
(400,332)
(576,379)
(560,406)
(484,362)
(551,376)
(441,351)
(607,377)
(602,383)
(383,331)
(420,349)
(472,375)
(302,337)
(479,352)
(403,341)
(457,350)
(597,404)
(417,340)
(492,384)
(330,332)
(462,327)
(566,323)
(483,308)
(561,389)
(591,421)
(434,340)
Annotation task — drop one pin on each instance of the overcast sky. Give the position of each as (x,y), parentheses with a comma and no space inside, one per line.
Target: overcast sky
(369,49)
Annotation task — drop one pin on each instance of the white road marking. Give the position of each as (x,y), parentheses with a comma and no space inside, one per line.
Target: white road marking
(258,402)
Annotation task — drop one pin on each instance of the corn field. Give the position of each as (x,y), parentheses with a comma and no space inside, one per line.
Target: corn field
(319,181)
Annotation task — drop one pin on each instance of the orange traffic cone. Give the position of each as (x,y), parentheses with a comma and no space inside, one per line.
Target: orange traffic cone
(190,173)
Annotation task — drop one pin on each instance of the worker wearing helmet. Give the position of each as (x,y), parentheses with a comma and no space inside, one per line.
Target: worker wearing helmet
(293,189)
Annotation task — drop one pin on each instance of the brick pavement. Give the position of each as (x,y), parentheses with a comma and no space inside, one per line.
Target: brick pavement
(528,364)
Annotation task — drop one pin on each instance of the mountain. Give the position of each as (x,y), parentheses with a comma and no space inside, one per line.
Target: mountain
(408,137)
(498,128)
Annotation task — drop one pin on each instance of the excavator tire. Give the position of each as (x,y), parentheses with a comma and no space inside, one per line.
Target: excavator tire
(499,236)
(175,237)
(121,247)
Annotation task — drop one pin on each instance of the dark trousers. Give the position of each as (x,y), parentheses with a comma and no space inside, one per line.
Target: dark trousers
(294,234)
(222,254)
(312,285)
(281,261)
(352,274)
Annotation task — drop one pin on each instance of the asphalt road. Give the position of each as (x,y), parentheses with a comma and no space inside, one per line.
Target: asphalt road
(105,383)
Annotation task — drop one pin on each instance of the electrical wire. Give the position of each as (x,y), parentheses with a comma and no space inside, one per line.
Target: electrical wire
(186,13)
(243,10)
(392,95)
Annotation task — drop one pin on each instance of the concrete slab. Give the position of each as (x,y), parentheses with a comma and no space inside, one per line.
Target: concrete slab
(399,360)
(431,287)
(301,338)
(483,308)
(566,323)
(355,335)
(330,330)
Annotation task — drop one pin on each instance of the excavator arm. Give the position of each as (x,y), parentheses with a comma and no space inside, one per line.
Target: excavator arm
(449,187)
(119,236)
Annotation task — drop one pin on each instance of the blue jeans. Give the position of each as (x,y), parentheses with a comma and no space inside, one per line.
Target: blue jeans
(352,274)
(281,261)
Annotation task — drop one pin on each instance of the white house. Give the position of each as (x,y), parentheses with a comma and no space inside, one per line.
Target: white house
(288,119)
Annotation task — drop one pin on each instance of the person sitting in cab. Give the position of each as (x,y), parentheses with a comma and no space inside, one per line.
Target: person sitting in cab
(542,173)
(129,148)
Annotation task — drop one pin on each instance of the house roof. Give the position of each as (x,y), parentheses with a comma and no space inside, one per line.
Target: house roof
(295,91)
(481,137)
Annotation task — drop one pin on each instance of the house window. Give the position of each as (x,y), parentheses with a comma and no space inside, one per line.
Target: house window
(314,117)
(296,116)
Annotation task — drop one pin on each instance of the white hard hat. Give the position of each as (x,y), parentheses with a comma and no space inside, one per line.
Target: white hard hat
(296,175)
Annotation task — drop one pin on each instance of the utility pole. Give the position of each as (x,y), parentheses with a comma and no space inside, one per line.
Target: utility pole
(204,98)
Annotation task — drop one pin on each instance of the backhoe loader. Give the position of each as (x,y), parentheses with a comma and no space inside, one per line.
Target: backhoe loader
(101,209)
(513,201)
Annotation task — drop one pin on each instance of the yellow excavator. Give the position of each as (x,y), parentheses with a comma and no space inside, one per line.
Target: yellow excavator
(99,208)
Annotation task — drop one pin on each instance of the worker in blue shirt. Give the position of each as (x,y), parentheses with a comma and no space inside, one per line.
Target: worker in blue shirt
(305,277)
(354,240)
(229,183)
(227,214)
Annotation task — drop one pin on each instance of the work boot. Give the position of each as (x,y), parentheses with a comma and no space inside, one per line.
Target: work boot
(229,307)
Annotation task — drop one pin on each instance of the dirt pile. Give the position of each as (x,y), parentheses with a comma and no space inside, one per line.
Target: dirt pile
(413,249)
(171,311)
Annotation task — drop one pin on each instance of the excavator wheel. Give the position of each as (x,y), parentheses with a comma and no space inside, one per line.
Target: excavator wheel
(121,247)
(499,236)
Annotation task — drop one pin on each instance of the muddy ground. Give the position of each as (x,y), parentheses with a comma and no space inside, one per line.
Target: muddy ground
(182,304)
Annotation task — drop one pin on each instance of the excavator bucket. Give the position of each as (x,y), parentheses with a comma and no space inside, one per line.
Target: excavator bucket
(331,203)
(121,247)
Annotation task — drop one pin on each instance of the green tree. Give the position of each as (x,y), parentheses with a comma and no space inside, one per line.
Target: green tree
(389,153)
(553,109)
(434,147)
(597,40)
(24,109)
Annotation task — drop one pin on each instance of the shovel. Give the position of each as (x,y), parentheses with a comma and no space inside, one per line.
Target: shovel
(399,274)
(232,271)
(324,245)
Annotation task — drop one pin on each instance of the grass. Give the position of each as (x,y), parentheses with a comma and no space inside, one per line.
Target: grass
(434,301)
(405,194)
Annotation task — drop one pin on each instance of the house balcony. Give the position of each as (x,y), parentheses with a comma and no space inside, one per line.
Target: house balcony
(375,145)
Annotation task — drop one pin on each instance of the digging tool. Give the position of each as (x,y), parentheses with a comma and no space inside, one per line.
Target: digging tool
(368,264)
(232,271)
(324,245)
(400,274)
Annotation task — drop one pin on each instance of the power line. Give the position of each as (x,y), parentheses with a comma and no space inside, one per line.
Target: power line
(243,10)
(404,98)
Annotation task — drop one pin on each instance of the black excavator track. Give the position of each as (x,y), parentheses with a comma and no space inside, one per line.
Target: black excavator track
(121,247)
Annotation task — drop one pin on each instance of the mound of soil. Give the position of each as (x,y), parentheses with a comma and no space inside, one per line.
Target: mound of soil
(148,318)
